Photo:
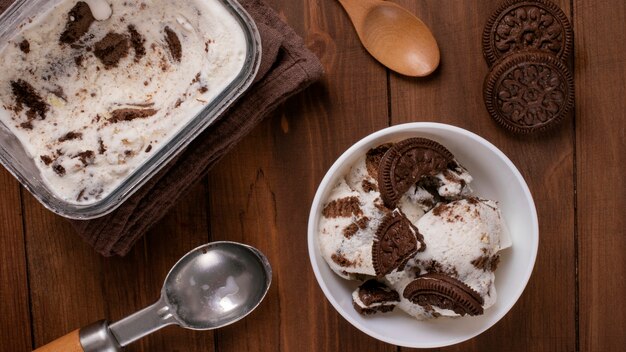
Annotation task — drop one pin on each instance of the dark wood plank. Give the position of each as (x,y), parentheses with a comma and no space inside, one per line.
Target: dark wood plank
(544,318)
(183,229)
(15,324)
(261,193)
(65,275)
(72,286)
(600,45)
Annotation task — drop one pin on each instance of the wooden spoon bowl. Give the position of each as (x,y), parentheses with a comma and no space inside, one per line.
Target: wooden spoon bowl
(394,36)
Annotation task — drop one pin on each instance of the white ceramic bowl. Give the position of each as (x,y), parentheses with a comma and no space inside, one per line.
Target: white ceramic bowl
(495,177)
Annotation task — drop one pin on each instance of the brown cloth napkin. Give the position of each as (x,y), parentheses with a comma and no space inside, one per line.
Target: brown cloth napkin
(287,67)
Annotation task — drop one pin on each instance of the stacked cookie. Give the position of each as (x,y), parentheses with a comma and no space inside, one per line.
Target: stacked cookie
(529,87)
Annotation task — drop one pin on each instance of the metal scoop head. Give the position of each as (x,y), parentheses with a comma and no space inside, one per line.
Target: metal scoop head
(210,287)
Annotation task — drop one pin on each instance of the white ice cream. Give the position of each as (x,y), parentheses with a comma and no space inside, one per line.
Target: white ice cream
(459,237)
(463,234)
(82,93)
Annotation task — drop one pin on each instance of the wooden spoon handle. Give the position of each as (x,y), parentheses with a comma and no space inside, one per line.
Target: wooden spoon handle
(67,343)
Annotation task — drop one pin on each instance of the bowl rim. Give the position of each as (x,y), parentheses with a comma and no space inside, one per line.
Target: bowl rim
(330,174)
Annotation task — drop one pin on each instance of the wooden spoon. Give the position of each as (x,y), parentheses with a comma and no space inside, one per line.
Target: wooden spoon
(394,36)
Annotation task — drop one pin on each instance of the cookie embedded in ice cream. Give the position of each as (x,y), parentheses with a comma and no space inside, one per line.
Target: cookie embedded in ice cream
(463,241)
(444,292)
(359,236)
(374,297)
(345,240)
(395,242)
(404,164)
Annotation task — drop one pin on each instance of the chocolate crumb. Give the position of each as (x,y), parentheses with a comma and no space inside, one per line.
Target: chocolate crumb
(25,95)
(149,148)
(111,49)
(373,158)
(341,260)
(362,222)
(369,186)
(173,43)
(78,60)
(25,46)
(203,90)
(487,263)
(353,228)
(79,19)
(137,42)
(70,136)
(46,159)
(59,169)
(178,102)
(130,114)
(28,125)
(438,210)
(350,230)
(344,207)
(86,157)
(80,194)
(101,147)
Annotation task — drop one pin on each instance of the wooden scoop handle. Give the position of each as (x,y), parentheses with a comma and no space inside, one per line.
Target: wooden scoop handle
(67,343)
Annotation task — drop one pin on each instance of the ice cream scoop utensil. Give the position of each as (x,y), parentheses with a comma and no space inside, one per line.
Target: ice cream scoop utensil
(210,287)
(394,36)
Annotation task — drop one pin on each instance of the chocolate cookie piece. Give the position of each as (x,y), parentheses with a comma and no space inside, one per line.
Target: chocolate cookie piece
(137,41)
(445,292)
(527,25)
(395,242)
(25,46)
(26,96)
(373,297)
(343,207)
(173,43)
(373,157)
(529,92)
(79,19)
(130,114)
(111,49)
(406,162)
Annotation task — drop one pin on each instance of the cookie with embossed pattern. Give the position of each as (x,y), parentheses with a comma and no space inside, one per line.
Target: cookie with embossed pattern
(445,292)
(529,92)
(525,26)
(406,162)
(396,240)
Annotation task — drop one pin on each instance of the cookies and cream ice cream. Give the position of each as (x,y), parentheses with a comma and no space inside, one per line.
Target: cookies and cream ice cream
(404,220)
(93,88)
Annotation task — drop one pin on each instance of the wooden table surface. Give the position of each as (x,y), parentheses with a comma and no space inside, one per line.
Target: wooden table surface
(51,282)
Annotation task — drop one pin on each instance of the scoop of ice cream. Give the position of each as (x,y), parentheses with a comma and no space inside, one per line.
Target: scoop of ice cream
(462,240)
(351,217)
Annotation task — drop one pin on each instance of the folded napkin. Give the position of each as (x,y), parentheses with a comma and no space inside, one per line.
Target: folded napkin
(287,67)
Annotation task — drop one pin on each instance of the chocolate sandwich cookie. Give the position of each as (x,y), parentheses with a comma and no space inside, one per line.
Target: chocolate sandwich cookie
(406,163)
(529,92)
(395,242)
(527,25)
(445,292)
(373,297)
